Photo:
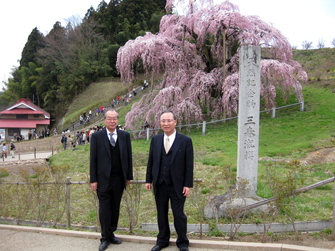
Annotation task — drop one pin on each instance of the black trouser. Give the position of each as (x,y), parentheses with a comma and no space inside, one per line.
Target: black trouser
(164,193)
(109,207)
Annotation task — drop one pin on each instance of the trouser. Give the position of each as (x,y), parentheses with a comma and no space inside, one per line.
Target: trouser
(12,153)
(109,207)
(164,193)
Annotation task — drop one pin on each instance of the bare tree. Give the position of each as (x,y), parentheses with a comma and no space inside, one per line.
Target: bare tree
(321,43)
(294,47)
(307,44)
(333,42)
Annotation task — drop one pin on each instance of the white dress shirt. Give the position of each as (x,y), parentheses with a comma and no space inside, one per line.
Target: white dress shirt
(114,135)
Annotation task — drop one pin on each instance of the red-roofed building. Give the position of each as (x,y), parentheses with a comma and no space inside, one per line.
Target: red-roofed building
(22,117)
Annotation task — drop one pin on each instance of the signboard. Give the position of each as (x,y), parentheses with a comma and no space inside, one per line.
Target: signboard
(2,134)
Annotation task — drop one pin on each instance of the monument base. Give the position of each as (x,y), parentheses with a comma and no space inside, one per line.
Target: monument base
(221,206)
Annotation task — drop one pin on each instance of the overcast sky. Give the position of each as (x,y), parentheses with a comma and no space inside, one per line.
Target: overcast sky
(298,20)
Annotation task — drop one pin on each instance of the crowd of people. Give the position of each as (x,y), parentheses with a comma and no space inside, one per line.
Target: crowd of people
(81,137)
(85,118)
(32,134)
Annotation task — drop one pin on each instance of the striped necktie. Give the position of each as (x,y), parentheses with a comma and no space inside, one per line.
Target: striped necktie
(111,139)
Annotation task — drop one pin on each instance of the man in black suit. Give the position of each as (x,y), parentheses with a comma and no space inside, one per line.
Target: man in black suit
(111,170)
(170,169)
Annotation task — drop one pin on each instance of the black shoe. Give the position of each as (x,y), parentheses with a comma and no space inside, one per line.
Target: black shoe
(157,248)
(115,240)
(104,245)
(183,249)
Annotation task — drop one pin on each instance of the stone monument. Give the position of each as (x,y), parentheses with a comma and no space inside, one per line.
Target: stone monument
(248,137)
(248,116)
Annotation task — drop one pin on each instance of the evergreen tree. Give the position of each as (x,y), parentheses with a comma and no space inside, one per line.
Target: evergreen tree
(34,43)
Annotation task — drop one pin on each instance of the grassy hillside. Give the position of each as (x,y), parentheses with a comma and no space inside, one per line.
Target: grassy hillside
(97,94)
(319,64)
(100,93)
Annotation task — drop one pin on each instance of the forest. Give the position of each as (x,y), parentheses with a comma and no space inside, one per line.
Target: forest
(56,67)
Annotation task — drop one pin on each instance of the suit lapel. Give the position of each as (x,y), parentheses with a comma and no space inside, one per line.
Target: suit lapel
(121,142)
(105,141)
(158,151)
(175,146)
(159,146)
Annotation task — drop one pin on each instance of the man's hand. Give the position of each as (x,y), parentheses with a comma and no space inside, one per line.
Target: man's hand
(186,191)
(127,182)
(94,186)
(148,186)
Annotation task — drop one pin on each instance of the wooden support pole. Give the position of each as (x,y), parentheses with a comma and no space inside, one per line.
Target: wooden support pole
(333,227)
(68,204)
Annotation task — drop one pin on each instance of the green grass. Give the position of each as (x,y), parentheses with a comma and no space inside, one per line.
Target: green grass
(78,160)
(4,174)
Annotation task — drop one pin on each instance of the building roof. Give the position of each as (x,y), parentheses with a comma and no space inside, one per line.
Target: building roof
(23,123)
(25,106)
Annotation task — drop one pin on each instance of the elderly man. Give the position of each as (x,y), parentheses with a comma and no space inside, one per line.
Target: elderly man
(170,169)
(111,170)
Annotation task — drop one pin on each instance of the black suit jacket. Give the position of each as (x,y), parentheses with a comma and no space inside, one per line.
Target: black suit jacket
(181,162)
(100,158)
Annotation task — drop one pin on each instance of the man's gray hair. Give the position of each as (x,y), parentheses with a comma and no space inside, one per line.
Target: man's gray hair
(111,110)
(168,111)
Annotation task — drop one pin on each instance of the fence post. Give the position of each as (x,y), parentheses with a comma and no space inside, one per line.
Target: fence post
(68,205)
(52,151)
(19,152)
(148,133)
(273,112)
(35,153)
(302,106)
(204,127)
(333,227)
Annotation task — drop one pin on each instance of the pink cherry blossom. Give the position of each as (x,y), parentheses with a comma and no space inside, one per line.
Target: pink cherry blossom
(188,51)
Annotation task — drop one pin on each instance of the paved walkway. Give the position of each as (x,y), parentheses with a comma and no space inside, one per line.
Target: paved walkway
(38,239)
(25,156)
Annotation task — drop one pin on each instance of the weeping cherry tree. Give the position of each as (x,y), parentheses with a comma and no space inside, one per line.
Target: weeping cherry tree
(198,55)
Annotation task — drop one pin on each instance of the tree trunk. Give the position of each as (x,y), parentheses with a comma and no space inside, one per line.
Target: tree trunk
(224,67)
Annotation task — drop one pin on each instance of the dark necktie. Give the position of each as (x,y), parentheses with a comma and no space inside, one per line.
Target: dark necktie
(111,139)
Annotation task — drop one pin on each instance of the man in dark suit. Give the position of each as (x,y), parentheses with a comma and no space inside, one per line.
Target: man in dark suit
(170,169)
(111,170)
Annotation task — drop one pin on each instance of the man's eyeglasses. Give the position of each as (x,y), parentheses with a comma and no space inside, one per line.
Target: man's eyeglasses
(166,121)
(111,119)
